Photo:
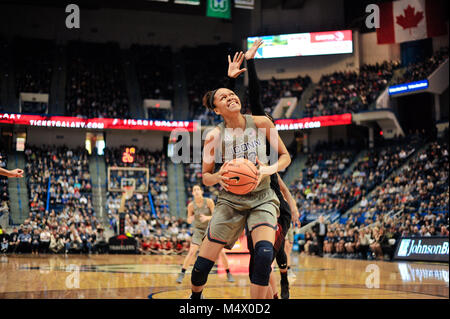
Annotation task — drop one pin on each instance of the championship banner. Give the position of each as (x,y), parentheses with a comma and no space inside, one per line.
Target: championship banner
(218,9)
(410,20)
(95,123)
(244,4)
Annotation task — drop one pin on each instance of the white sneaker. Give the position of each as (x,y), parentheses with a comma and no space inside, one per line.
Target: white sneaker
(291,274)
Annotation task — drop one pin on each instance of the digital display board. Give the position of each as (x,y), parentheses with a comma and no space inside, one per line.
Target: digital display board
(303,44)
(408,87)
(313,122)
(128,155)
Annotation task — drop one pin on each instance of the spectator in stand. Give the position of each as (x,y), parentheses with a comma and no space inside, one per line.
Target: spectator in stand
(24,242)
(363,242)
(45,238)
(328,243)
(96,86)
(13,243)
(320,229)
(422,69)
(350,242)
(349,92)
(145,246)
(100,243)
(35,242)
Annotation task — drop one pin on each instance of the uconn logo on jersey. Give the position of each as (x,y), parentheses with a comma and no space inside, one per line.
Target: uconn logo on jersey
(244,144)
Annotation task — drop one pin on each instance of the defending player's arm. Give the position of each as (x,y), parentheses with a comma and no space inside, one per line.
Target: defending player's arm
(253,82)
(234,69)
(13,173)
(210,178)
(263,122)
(291,202)
(254,87)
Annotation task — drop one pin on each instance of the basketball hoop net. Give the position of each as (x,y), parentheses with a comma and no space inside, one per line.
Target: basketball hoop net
(128,192)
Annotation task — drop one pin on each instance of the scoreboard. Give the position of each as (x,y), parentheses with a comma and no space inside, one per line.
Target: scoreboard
(129,155)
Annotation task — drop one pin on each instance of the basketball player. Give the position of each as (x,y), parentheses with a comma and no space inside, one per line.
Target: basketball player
(200,212)
(257,210)
(282,251)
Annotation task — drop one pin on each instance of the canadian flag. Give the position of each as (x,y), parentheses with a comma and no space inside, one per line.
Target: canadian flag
(409,20)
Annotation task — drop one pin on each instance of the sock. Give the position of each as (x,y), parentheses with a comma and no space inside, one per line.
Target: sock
(227,270)
(196,295)
(183,270)
(284,276)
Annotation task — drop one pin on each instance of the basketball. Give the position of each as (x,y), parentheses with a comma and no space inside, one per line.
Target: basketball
(243,176)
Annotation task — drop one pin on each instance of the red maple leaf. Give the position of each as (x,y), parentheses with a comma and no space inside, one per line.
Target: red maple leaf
(410,19)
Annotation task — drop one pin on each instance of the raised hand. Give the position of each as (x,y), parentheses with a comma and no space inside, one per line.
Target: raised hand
(250,54)
(234,67)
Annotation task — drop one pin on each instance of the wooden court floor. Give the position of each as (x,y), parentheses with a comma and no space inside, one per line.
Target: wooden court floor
(138,276)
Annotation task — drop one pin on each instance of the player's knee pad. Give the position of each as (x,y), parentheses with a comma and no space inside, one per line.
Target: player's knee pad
(262,263)
(201,270)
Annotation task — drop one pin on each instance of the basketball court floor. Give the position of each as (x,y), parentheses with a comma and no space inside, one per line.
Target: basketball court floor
(142,277)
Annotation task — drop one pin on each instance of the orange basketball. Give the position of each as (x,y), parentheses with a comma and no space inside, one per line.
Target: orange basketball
(243,176)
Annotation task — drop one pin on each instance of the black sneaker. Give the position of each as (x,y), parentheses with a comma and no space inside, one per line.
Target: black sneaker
(284,289)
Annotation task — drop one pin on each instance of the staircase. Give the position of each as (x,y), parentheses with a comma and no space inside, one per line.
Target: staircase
(304,99)
(294,169)
(18,191)
(180,108)
(58,83)
(132,83)
(177,195)
(97,170)
(352,166)
(9,100)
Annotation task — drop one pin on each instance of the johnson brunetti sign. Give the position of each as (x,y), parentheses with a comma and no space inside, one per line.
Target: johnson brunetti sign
(422,249)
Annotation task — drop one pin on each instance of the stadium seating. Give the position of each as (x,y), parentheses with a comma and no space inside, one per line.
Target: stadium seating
(33,68)
(349,92)
(422,69)
(95,81)
(154,71)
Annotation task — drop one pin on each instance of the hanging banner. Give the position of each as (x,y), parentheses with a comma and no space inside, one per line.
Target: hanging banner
(218,9)
(190,2)
(244,4)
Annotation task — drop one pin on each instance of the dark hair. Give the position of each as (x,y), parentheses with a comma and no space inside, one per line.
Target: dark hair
(208,100)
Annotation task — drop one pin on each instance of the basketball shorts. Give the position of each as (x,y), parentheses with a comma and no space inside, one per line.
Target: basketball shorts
(233,213)
(198,235)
